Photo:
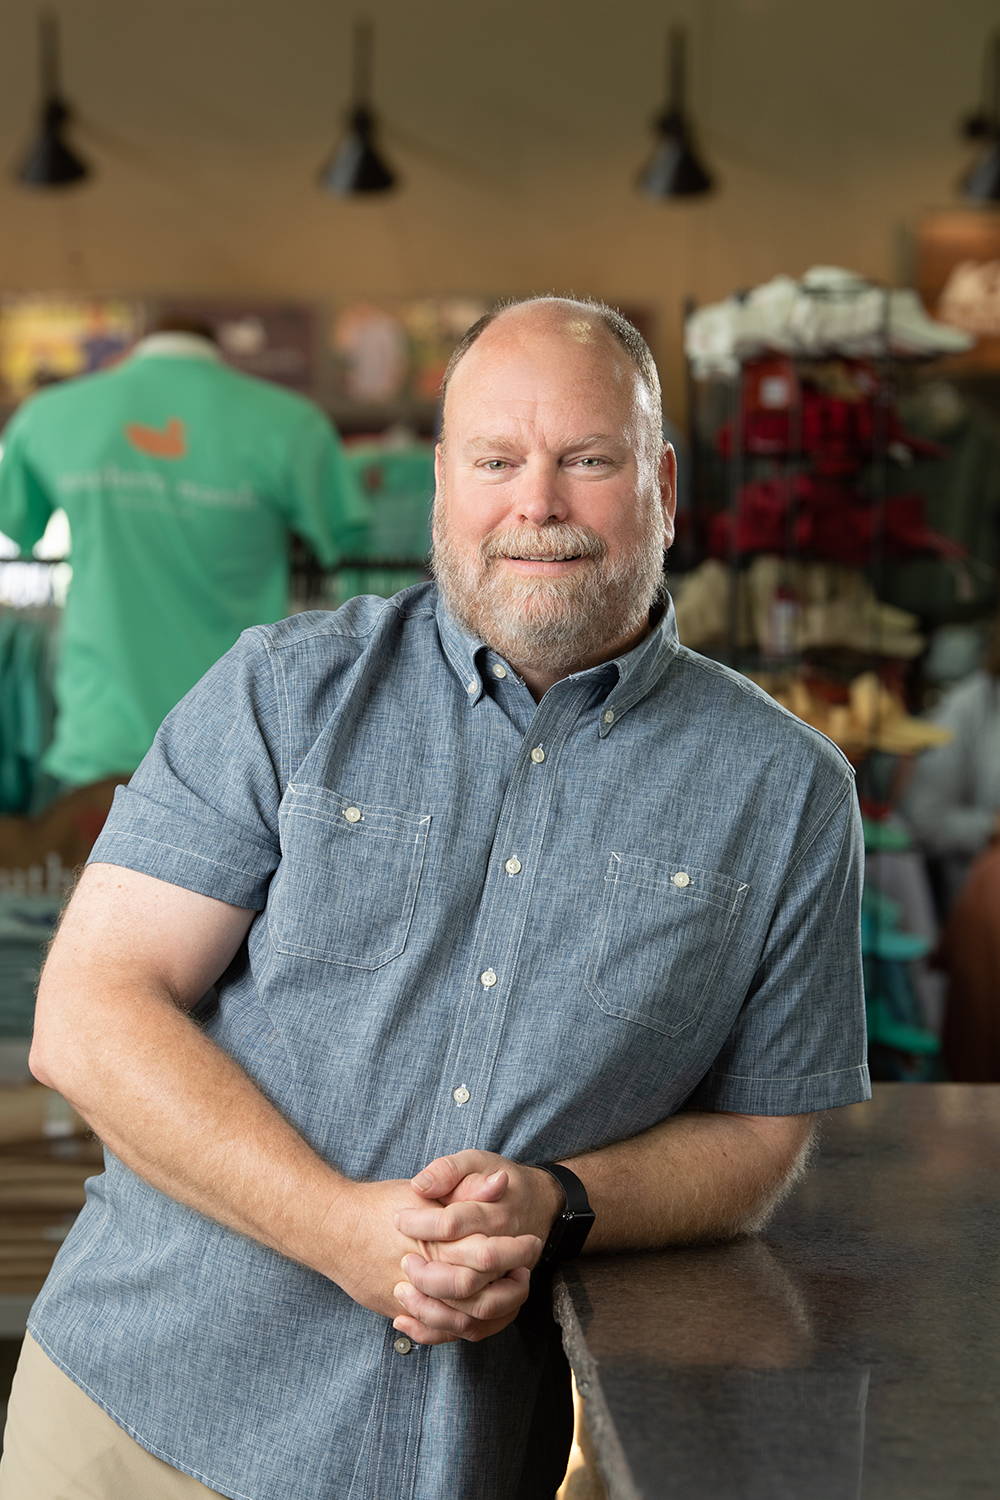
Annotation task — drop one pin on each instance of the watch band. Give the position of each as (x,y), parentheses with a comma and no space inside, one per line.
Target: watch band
(569,1231)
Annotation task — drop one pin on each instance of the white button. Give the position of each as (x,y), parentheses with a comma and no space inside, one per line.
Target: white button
(682,878)
(470,687)
(609,716)
(513,866)
(402,1345)
(499,671)
(487,979)
(352,814)
(538,755)
(461,1095)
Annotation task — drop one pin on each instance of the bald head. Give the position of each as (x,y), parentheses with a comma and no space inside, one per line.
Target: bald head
(583,323)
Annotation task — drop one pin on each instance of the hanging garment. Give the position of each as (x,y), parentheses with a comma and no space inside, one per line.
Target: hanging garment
(397,485)
(181,479)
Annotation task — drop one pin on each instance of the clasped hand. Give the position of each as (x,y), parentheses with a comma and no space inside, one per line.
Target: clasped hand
(464,1235)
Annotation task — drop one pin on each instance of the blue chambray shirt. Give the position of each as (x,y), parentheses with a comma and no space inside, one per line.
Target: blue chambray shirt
(532,928)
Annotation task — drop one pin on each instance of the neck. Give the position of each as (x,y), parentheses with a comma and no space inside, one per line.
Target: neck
(538,678)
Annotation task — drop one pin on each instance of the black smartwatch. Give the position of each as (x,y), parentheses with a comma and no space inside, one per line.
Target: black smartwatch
(569,1232)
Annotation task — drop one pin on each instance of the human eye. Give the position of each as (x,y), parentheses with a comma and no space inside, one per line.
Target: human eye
(591,463)
(494,465)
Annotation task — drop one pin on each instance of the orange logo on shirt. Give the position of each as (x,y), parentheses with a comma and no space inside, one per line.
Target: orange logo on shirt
(166,442)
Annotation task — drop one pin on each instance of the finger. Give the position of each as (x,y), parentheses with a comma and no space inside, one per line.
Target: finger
(453,1222)
(442,1175)
(479,1187)
(493,1254)
(431,1312)
(454,1283)
(501,1299)
(420,1333)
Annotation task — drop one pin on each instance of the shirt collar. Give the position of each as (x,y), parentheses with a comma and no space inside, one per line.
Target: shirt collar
(633,674)
(177,346)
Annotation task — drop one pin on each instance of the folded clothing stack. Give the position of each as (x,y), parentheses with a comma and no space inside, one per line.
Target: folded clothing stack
(829,311)
(27,923)
(872,718)
(811,605)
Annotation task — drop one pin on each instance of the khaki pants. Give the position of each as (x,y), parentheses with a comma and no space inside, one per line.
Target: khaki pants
(60,1445)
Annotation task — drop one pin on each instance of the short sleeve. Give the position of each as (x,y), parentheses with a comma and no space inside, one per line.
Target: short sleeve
(25,506)
(201,811)
(323,501)
(799,1042)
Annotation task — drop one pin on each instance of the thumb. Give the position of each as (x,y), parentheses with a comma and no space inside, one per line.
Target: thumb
(479,1188)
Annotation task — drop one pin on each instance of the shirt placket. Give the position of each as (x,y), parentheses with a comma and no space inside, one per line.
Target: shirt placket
(462,1114)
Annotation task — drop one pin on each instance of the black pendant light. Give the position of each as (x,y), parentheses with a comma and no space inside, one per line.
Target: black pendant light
(982,183)
(51,162)
(674,170)
(356,166)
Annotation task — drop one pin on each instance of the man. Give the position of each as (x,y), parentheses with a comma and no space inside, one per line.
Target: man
(487,879)
(181,479)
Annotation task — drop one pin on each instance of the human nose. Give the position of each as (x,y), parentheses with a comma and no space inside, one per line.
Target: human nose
(539,497)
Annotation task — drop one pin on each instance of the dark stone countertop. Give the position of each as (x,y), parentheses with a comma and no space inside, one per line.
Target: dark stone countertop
(853,1350)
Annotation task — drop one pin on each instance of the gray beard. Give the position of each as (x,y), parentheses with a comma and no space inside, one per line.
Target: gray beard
(553,624)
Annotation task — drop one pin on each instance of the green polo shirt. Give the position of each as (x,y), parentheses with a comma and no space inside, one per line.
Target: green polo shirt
(181,480)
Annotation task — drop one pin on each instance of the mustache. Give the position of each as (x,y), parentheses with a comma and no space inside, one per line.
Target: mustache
(561,539)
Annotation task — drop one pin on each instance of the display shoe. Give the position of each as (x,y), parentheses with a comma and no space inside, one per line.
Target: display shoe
(912,331)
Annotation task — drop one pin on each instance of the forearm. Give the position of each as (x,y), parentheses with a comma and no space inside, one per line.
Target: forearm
(693,1177)
(183,1115)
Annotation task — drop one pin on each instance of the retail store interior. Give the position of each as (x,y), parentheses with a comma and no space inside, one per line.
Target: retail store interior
(799,209)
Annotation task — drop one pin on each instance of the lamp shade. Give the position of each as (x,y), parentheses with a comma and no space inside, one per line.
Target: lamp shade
(674,169)
(982,183)
(356,166)
(50,161)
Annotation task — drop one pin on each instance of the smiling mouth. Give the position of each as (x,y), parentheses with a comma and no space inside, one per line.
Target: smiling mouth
(568,557)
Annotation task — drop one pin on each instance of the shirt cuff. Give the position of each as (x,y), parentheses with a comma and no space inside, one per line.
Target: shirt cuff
(726,1092)
(170,847)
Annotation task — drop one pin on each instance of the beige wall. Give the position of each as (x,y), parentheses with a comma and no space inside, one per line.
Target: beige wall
(519,127)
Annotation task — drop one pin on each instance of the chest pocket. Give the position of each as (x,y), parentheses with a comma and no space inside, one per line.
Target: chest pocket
(346,887)
(660,935)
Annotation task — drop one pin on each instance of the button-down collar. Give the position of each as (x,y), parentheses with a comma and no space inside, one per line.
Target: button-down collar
(625,679)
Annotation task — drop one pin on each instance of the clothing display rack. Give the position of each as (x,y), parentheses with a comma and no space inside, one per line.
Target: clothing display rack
(796,520)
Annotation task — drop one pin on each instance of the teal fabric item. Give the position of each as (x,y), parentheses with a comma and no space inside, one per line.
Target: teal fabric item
(181,480)
(27,922)
(26,707)
(398,488)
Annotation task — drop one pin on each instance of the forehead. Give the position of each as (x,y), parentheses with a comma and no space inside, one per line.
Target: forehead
(570,375)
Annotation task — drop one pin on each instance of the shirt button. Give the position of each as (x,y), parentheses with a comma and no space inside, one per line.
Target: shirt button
(499,671)
(470,687)
(403,1345)
(538,755)
(352,814)
(682,878)
(513,866)
(461,1095)
(487,978)
(609,716)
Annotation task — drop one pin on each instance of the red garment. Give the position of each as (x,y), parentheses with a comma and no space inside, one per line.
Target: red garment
(818,516)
